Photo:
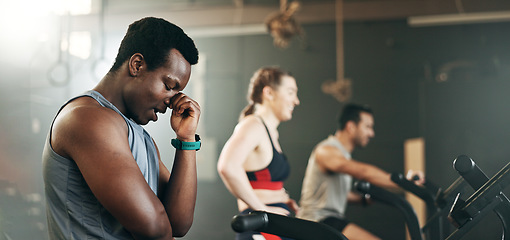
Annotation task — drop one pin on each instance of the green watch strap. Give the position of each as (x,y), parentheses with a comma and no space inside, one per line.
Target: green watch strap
(180,145)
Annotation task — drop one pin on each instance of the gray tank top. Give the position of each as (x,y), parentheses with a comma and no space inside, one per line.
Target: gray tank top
(72,210)
(324,194)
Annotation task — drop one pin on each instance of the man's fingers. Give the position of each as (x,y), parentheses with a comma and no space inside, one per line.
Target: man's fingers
(182,104)
(416,176)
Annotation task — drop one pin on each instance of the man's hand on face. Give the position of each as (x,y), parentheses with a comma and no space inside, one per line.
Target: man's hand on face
(185,116)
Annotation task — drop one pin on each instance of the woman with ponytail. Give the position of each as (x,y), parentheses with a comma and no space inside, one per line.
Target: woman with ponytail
(252,164)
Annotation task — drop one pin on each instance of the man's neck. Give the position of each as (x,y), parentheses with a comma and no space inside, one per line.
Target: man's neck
(345,139)
(109,88)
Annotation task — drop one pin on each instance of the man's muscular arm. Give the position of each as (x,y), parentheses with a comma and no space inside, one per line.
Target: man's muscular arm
(332,160)
(96,139)
(180,193)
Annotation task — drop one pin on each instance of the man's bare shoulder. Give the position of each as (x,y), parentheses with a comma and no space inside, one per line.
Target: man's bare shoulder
(88,110)
(84,120)
(329,152)
(327,148)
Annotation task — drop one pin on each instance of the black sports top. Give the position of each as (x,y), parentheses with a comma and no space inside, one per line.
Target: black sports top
(272,176)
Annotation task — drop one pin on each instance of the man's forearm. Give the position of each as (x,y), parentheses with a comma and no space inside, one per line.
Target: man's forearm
(181,192)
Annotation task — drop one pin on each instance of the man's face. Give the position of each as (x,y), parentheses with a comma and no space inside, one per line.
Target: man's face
(151,92)
(364,130)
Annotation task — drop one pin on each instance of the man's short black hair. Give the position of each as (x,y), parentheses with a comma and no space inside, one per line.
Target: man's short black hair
(351,112)
(154,38)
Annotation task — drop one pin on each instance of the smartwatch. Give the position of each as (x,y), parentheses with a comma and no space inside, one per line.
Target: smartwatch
(180,145)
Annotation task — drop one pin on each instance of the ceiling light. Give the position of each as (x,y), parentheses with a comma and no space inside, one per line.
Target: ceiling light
(460,18)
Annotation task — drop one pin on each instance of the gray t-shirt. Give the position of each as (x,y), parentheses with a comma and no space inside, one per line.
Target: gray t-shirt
(324,194)
(72,210)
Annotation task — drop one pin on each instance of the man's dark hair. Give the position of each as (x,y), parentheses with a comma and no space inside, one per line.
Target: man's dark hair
(351,112)
(154,38)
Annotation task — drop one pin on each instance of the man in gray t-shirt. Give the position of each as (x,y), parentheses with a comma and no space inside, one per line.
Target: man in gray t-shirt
(327,182)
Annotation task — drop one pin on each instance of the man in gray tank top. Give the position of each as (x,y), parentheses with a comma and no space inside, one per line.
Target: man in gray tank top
(103,175)
(328,177)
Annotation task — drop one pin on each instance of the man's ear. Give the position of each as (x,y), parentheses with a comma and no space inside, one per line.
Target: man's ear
(350,126)
(135,64)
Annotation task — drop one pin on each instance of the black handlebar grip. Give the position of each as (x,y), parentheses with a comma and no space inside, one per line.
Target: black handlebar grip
(397,177)
(464,164)
(362,186)
(249,222)
(468,169)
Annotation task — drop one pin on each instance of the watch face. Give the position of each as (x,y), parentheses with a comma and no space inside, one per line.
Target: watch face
(176,143)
